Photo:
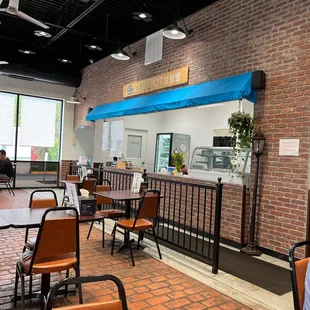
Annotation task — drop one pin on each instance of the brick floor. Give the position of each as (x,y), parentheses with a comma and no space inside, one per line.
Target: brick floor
(150,285)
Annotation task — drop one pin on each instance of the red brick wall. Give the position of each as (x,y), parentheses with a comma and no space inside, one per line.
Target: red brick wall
(232,37)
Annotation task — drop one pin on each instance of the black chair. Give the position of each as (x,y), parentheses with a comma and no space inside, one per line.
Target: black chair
(8,183)
(118,304)
(298,274)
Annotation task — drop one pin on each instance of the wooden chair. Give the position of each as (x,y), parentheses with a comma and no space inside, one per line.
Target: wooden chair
(118,304)
(39,203)
(148,209)
(71,177)
(112,213)
(53,252)
(89,184)
(298,275)
(8,183)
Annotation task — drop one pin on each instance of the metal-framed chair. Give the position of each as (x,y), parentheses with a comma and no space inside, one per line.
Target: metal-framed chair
(148,210)
(8,183)
(52,252)
(111,213)
(117,304)
(298,274)
(89,184)
(39,203)
(71,177)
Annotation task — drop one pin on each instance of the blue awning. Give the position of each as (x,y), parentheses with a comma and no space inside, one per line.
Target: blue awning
(227,89)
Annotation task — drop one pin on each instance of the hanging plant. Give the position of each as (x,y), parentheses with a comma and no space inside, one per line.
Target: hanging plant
(241,127)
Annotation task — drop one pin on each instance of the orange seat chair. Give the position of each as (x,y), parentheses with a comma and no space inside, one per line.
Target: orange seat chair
(147,211)
(112,213)
(39,203)
(117,304)
(52,252)
(298,275)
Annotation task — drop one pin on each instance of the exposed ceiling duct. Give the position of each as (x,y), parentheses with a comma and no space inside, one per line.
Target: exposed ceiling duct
(67,78)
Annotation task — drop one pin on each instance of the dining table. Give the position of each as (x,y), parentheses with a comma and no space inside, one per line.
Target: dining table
(31,218)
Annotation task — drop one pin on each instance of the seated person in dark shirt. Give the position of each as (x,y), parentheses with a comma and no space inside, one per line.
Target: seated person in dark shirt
(6,168)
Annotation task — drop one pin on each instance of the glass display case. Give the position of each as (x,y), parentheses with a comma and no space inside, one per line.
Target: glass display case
(219,159)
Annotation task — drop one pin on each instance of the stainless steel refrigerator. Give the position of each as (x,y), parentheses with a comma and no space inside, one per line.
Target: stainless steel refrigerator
(166,145)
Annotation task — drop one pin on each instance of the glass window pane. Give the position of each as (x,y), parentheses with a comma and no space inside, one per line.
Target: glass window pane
(39,129)
(134,146)
(8,104)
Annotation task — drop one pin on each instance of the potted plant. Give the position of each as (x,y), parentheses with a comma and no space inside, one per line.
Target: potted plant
(241,127)
(178,161)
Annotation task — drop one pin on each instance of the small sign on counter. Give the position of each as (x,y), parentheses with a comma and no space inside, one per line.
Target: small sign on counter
(289,147)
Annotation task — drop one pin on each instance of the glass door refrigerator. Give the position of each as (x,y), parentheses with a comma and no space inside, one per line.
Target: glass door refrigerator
(166,145)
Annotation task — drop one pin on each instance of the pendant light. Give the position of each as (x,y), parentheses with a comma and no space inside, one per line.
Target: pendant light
(120,55)
(175,32)
(74,99)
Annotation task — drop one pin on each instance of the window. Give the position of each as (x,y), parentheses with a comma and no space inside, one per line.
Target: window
(8,105)
(39,129)
(134,146)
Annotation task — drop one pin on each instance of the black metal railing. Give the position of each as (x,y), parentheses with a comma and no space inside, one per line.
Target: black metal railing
(189,216)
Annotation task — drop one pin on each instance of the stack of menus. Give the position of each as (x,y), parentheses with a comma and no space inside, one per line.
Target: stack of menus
(136,182)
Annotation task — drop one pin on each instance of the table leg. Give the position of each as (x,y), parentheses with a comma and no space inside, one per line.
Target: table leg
(103,233)
(45,283)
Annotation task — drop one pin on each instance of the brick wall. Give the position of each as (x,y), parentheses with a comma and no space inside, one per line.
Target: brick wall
(231,37)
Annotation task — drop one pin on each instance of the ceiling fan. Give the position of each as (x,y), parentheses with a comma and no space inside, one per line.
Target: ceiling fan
(13,10)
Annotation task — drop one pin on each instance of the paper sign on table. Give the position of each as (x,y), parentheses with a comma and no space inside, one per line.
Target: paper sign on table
(72,195)
(136,182)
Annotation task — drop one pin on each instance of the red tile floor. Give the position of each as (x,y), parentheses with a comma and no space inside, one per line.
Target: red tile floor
(150,285)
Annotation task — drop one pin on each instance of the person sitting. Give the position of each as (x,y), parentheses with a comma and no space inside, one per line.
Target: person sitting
(6,167)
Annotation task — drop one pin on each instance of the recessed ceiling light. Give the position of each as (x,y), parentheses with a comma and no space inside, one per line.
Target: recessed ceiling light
(65,61)
(41,33)
(26,52)
(94,47)
(147,17)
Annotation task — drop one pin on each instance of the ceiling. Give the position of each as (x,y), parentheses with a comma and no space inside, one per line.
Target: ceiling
(109,25)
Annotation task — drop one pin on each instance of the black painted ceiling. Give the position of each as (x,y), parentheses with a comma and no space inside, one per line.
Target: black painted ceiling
(17,34)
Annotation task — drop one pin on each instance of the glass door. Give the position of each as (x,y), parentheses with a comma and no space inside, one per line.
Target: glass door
(163,151)
(32,138)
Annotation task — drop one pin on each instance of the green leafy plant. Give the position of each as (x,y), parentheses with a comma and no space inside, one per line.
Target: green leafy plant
(178,160)
(241,127)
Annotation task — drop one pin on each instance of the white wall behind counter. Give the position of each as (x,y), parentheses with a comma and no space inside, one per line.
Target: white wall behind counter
(54,91)
(199,123)
(150,123)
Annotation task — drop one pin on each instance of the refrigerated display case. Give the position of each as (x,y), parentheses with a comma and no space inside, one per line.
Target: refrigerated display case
(209,163)
(166,145)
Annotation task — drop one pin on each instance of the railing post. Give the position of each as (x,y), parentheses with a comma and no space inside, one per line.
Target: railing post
(217,226)
(70,167)
(100,174)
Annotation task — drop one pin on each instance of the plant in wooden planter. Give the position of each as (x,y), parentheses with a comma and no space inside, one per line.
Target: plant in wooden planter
(241,127)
